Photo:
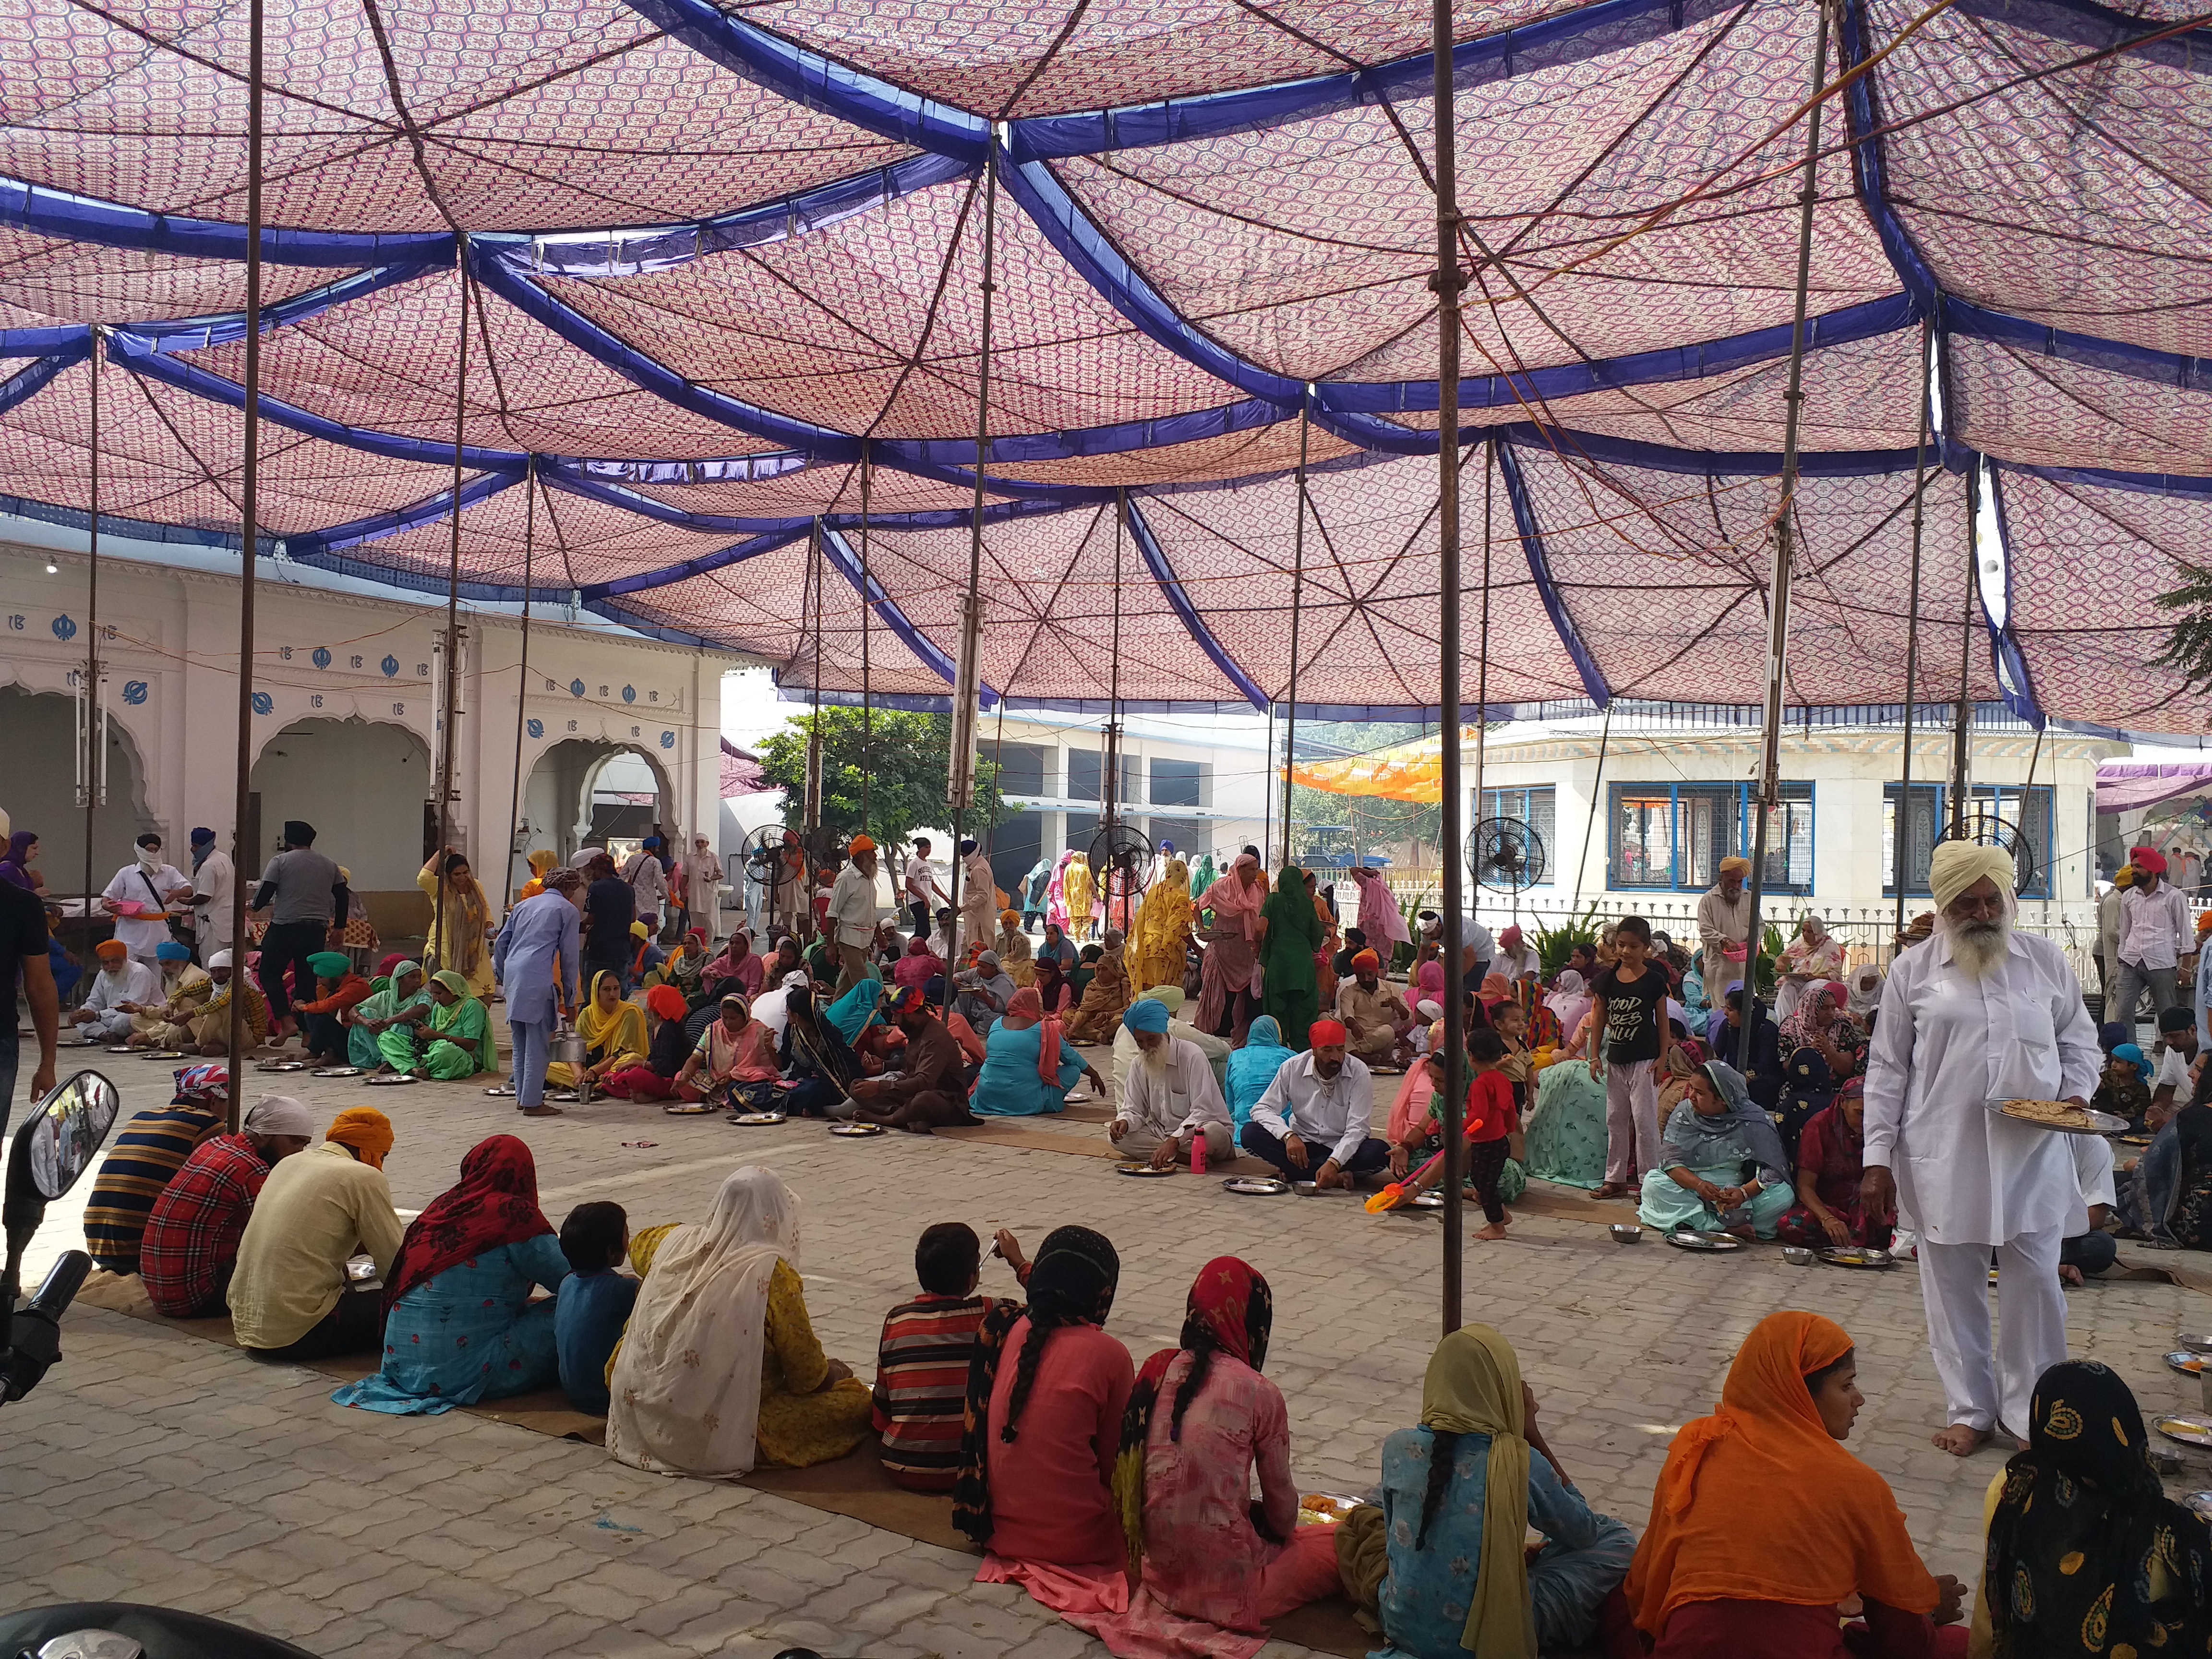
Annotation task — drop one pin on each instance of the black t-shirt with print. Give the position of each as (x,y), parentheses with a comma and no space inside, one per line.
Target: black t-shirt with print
(1632,1012)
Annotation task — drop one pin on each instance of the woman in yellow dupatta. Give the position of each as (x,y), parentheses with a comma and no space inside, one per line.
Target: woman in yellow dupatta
(1159,940)
(541,865)
(613,1032)
(457,939)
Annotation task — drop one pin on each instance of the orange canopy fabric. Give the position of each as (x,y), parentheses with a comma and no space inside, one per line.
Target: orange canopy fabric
(1717,1533)
(1405,771)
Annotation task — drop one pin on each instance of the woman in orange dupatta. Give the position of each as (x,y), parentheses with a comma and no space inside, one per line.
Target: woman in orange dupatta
(1762,1522)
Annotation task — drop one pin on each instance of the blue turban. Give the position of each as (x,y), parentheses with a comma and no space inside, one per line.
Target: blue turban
(198,837)
(1145,1014)
(169,951)
(2133,1054)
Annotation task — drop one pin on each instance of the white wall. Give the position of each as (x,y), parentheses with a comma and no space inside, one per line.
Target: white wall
(360,785)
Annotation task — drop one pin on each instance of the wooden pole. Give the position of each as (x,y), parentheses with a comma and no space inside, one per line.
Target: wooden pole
(1901,850)
(1298,597)
(522,673)
(960,784)
(450,702)
(93,752)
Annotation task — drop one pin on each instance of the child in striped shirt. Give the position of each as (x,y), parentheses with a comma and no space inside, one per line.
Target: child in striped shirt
(921,1362)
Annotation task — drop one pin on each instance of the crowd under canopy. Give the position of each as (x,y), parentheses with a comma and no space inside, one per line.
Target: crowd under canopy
(692,281)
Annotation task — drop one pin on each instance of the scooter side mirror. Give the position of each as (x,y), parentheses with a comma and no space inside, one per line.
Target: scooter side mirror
(52,1150)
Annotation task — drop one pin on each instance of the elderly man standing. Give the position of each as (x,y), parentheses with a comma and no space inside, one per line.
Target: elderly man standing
(1377,1022)
(852,912)
(702,889)
(1321,1100)
(1980,1012)
(1724,924)
(1170,1097)
(2156,930)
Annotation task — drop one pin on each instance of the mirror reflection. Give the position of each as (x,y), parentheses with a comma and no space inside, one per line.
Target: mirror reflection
(67,1129)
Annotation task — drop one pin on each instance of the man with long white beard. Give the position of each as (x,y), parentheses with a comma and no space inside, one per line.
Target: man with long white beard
(1977,1014)
(1170,1095)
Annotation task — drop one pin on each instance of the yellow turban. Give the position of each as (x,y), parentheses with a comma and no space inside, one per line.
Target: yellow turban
(1735,867)
(1958,865)
(2125,876)
(366,1130)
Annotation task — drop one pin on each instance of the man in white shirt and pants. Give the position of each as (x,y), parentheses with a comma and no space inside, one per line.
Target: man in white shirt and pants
(1169,1097)
(2155,929)
(852,912)
(215,886)
(921,887)
(1980,1012)
(1311,1124)
(154,885)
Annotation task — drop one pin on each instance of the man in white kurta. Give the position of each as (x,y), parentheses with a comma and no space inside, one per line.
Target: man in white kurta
(1948,1040)
(1170,1095)
(702,888)
(153,885)
(215,886)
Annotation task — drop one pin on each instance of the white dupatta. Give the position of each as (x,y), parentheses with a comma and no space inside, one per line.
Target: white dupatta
(686,1384)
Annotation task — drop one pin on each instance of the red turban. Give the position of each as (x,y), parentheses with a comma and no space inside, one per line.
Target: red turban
(1326,1031)
(2148,859)
(1366,959)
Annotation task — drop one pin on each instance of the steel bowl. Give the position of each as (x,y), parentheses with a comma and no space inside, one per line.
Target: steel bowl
(1625,1233)
(1797,1255)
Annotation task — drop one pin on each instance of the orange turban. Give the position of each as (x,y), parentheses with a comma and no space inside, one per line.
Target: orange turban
(366,1130)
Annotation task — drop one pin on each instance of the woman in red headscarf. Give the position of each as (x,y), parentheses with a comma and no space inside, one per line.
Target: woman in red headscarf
(459,1325)
(1699,1585)
(1199,1420)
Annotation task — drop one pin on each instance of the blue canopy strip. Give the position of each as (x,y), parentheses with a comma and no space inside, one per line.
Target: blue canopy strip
(2097,28)
(429,510)
(1714,463)
(141,359)
(1084,245)
(1584,32)
(721,559)
(2186,487)
(1870,171)
(44,342)
(1178,599)
(113,524)
(72,218)
(2169,368)
(198,333)
(820,83)
(34,378)
(1864,321)
(578,479)
(1248,414)
(2015,684)
(873,594)
(1540,571)
(667,247)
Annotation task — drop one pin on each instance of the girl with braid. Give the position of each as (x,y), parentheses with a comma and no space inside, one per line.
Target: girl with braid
(1200,1419)
(1459,1495)
(1046,1392)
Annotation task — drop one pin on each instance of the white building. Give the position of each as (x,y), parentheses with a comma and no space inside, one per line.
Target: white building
(613,732)
(1674,799)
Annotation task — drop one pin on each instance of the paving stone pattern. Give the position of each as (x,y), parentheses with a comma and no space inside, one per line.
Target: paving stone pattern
(157,1467)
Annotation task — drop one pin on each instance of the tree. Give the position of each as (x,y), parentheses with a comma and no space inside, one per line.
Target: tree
(908,758)
(2189,641)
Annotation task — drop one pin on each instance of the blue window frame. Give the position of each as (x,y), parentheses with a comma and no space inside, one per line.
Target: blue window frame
(1535,807)
(1931,811)
(1671,837)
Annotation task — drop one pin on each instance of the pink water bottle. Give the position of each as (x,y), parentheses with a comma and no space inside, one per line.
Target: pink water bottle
(1198,1151)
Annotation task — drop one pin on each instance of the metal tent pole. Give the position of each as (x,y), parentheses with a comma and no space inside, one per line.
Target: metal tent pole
(1777,619)
(817,743)
(1590,824)
(451,700)
(522,673)
(1297,600)
(91,700)
(1481,670)
(867,710)
(1901,847)
(1115,787)
(960,773)
(1962,716)
(250,547)
(1447,283)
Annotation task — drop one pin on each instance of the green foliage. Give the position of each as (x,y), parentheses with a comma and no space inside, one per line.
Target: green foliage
(1555,944)
(2188,639)
(1373,821)
(1770,953)
(909,758)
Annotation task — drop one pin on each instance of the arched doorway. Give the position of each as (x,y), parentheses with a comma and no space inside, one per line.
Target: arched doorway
(586,791)
(40,793)
(363,784)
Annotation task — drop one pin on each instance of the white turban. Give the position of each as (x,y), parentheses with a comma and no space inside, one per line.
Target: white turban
(1958,865)
(279,1115)
(220,959)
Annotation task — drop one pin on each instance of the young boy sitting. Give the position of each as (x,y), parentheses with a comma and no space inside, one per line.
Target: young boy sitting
(921,1362)
(594,1301)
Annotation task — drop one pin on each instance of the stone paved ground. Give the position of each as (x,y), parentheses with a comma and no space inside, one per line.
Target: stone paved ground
(155,1466)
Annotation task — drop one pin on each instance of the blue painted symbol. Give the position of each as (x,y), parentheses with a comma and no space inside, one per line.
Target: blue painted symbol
(668,740)
(538,728)
(629,694)
(575,688)
(321,657)
(134,692)
(263,702)
(65,628)
(390,665)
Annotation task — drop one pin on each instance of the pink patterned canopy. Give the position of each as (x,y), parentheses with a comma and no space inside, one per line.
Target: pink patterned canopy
(711,275)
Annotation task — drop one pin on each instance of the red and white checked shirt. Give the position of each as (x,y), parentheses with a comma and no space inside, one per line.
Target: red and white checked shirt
(196,1223)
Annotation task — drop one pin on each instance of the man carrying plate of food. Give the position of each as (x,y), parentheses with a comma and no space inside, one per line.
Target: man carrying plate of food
(1979,1012)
